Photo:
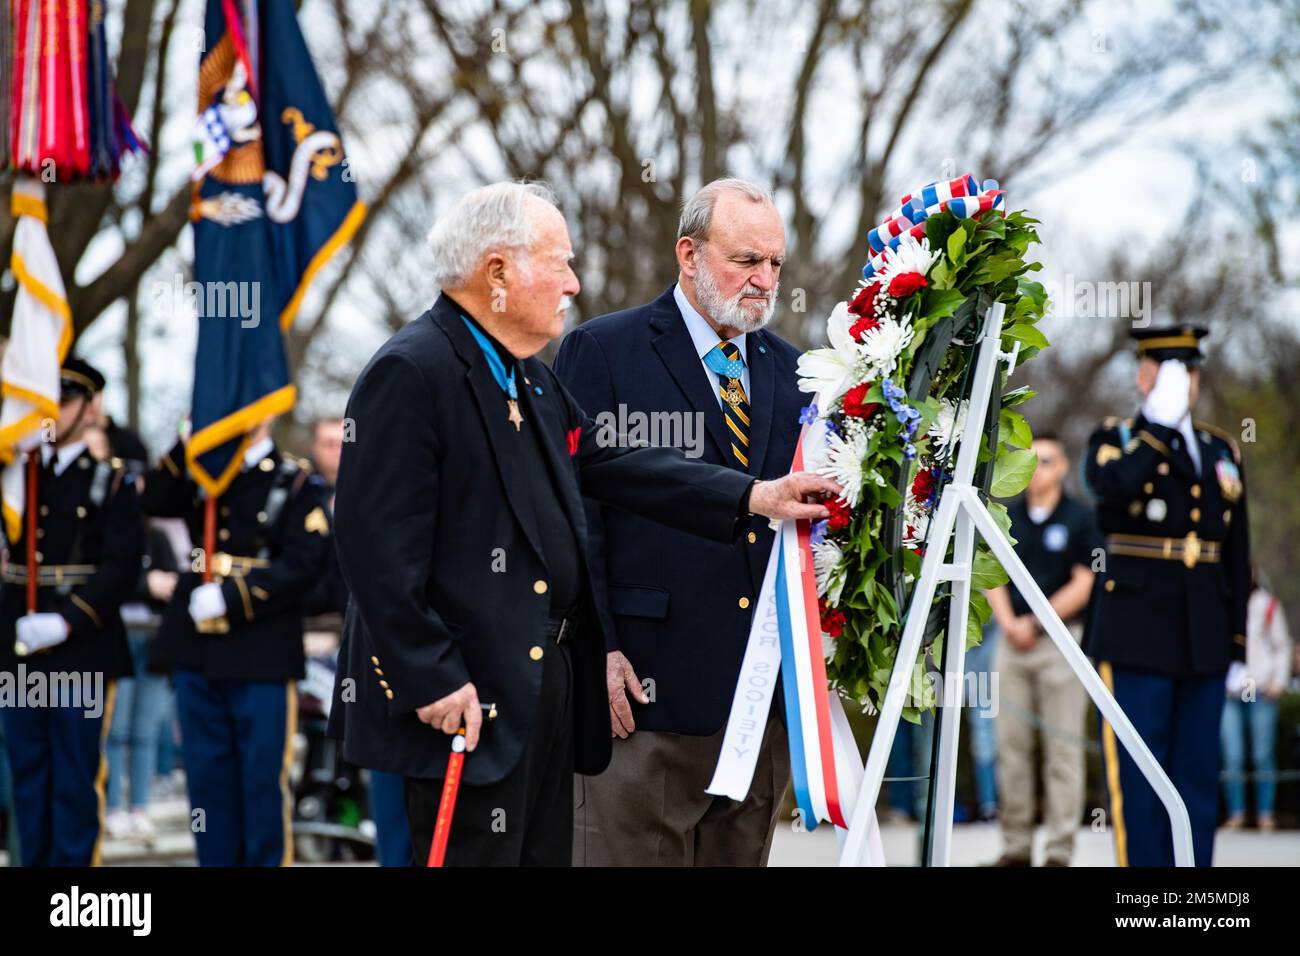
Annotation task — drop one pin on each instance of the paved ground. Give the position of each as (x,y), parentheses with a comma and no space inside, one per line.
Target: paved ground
(973,845)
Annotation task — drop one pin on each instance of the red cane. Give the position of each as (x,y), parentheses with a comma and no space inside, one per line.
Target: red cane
(447,805)
(209,535)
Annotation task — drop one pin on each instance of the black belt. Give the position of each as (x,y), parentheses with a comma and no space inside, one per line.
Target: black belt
(560,629)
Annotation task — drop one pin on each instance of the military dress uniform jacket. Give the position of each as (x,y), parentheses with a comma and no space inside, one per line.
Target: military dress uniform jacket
(272,535)
(90,537)
(1172,597)
(437,537)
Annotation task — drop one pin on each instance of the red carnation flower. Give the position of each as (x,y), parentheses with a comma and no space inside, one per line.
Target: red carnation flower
(905,283)
(923,485)
(853,404)
(832,620)
(864,325)
(841,514)
(864,302)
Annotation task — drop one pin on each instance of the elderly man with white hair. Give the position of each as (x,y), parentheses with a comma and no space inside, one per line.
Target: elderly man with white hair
(461,535)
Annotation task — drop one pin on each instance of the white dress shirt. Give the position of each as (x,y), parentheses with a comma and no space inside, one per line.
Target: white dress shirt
(257,451)
(63,456)
(705,338)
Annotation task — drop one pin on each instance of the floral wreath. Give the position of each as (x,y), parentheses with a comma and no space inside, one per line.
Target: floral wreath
(891,395)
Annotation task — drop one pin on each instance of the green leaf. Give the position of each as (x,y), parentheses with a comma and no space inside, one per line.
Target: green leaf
(1018,396)
(986,572)
(957,246)
(1026,334)
(1002,518)
(940,303)
(1011,473)
(1013,429)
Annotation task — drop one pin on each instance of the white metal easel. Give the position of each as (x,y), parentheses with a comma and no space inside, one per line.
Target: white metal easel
(961,513)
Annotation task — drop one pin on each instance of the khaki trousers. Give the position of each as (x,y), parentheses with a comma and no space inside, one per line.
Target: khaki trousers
(650,809)
(1038,691)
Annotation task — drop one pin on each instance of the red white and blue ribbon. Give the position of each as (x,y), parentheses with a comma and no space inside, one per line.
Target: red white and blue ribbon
(962,197)
(786,639)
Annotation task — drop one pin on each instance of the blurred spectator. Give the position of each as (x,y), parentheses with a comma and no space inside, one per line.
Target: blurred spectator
(1056,538)
(1253,689)
(141,698)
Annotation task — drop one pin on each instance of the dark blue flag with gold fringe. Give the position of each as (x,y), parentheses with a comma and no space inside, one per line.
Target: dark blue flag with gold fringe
(273,200)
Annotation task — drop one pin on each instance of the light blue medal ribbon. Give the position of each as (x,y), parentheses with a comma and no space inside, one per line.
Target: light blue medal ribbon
(719,363)
(505,380)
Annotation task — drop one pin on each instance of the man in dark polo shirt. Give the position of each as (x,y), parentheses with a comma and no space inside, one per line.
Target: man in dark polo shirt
(1057,539)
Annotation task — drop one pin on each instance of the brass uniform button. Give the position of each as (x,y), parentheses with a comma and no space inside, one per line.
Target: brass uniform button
(1163,468)
(388,694)
(261,517)
(225,511)
(224,534)
(1149,487)
(40,533)
(267,464)
(1135,508)
(1227,516)
(744,603)
(45,509)
(81,511)
(752,537)
(539,587)
(535,653)
(1196,491)
(1110,585)
(1196,514)
(39,557)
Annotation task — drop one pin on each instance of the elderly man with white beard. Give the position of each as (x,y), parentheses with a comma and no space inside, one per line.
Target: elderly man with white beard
(675,608)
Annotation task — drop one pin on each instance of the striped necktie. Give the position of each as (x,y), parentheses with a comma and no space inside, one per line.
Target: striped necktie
(735,406)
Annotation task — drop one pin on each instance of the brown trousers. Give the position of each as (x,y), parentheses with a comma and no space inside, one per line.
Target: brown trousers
(650,809)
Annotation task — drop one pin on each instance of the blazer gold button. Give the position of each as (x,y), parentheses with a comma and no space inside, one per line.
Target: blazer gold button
(752,537)
(539,587)
(384,684)
(379,672)
(388,694)
(375,661)
(535,653)
(1110,585)
(1227,516)
(1196,491)
(744,603)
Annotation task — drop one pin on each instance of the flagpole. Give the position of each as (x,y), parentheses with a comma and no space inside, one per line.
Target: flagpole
(209,535)
(31,531)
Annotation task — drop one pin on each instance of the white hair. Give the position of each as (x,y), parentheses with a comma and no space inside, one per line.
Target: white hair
(489,219)
(697,212)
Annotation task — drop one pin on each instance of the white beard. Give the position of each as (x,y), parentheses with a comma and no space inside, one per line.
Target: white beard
(731,313)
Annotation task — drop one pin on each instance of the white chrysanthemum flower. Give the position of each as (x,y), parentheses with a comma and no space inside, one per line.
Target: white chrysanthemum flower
(910,256)
(828,560)
(882,346)
(830,371)
(844,455)
(949,424)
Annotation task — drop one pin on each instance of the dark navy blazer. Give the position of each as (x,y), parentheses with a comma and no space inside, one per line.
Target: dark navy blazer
(676,605)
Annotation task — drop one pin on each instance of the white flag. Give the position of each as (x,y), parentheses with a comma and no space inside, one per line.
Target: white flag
(39,339)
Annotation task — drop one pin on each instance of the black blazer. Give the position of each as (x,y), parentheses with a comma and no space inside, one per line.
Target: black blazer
(437,541)
(671,602)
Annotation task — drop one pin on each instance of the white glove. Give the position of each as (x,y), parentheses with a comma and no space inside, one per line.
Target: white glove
(207,602)
(1169,398)
(39,631)
(1235,682)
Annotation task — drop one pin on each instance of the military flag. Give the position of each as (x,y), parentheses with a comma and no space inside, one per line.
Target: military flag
(273,201)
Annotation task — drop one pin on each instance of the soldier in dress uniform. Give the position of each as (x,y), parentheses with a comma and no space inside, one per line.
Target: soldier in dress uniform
(233,644)
(1169,610)
(84,540)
